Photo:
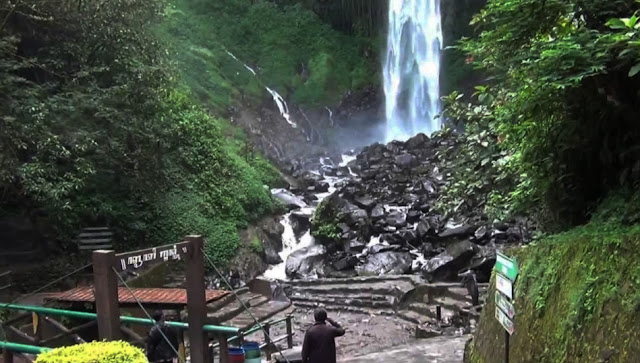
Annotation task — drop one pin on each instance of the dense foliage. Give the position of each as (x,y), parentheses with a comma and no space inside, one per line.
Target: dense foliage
(96,129)
(288,46)
(578,293)
(95,352)
(562,102)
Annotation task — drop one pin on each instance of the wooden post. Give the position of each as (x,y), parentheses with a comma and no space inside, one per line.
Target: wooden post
(7,356)
(196,304)
(106,294)
(224,348)
(267,339)
(289,333)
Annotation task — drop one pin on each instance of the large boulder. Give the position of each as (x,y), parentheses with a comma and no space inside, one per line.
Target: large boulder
(397,219)
(448,264)
(377,212)
(301,220)
(458,232)
(365,202)
(406,161)
(387,263)
(417,141)
(305,263)
(290,200)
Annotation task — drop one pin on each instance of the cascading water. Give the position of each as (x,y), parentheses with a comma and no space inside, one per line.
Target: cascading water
(412,68)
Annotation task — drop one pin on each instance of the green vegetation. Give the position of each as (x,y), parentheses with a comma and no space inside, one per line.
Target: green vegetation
(560,104)
(578,293)
(324,223)
(95,352)
(288,46)
(97,130)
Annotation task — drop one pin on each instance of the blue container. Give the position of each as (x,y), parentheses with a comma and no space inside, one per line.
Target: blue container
(251,350)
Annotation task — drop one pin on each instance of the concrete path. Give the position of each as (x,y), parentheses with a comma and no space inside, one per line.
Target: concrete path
(434,350)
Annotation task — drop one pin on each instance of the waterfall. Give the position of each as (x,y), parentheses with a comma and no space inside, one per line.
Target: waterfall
(411,69)
(279,101)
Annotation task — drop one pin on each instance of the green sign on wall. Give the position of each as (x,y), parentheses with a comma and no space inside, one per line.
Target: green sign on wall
(508,267)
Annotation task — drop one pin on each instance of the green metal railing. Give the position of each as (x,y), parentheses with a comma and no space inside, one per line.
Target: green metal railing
(226,330)
(22,348)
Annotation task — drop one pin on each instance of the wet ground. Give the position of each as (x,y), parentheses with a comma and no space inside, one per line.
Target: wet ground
(372,334)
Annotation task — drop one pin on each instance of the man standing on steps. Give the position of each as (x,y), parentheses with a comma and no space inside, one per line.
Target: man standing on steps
(319,345)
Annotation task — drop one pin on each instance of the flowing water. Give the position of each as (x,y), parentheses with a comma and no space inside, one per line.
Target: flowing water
(411,68)
(280,102)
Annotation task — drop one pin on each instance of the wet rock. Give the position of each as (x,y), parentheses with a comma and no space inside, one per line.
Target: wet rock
(458,232)
(345,263)
(397,219)
(271,257)
(429,187)
(406,161)
(290,200)
(413,216)
(424,228)
(446,265)
(365,202)
(355,246)
(377,213)
(428,250)
(322,187)
(306,262)
(481,233)
(354,215)
(417,141)
(392,238)
(301,220)
(482,263)
(382,248)
(273,229)
(427,331)
(387,263)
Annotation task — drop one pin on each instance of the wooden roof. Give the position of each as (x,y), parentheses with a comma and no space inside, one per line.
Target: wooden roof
(146,296)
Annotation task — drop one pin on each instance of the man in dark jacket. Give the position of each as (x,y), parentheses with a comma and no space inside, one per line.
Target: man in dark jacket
(319,345)
(158,349)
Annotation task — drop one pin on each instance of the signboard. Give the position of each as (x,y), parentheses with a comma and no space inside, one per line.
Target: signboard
(150,256)
(505,305)
(505,286)
(508,267)
(506,323)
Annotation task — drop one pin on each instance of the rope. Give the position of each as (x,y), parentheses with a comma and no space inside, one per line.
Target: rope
(37,291)
(244,306)
(147,314)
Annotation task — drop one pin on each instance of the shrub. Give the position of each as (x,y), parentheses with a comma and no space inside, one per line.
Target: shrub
(95,352)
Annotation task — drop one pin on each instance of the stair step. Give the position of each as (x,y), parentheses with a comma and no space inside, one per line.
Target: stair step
(234,308)
(346,308)
(371,289)
(345,300)
(372,297)
(261,312)
(359,280)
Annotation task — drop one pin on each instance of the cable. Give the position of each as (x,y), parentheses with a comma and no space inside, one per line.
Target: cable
(243,305)
(37,291)
(147,314)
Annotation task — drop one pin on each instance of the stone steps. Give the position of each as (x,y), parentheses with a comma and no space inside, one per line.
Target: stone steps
(221,312)
(346,308)
(374,301)
(261,312)
(358,280)
(357,288)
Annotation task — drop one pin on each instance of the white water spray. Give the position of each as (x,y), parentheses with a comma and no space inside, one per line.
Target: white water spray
(412,68)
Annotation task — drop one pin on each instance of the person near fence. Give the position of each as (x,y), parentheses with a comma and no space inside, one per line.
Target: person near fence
(159,349)
(319,344)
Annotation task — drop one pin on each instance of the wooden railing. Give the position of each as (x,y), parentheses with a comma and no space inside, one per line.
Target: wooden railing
(268,344)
